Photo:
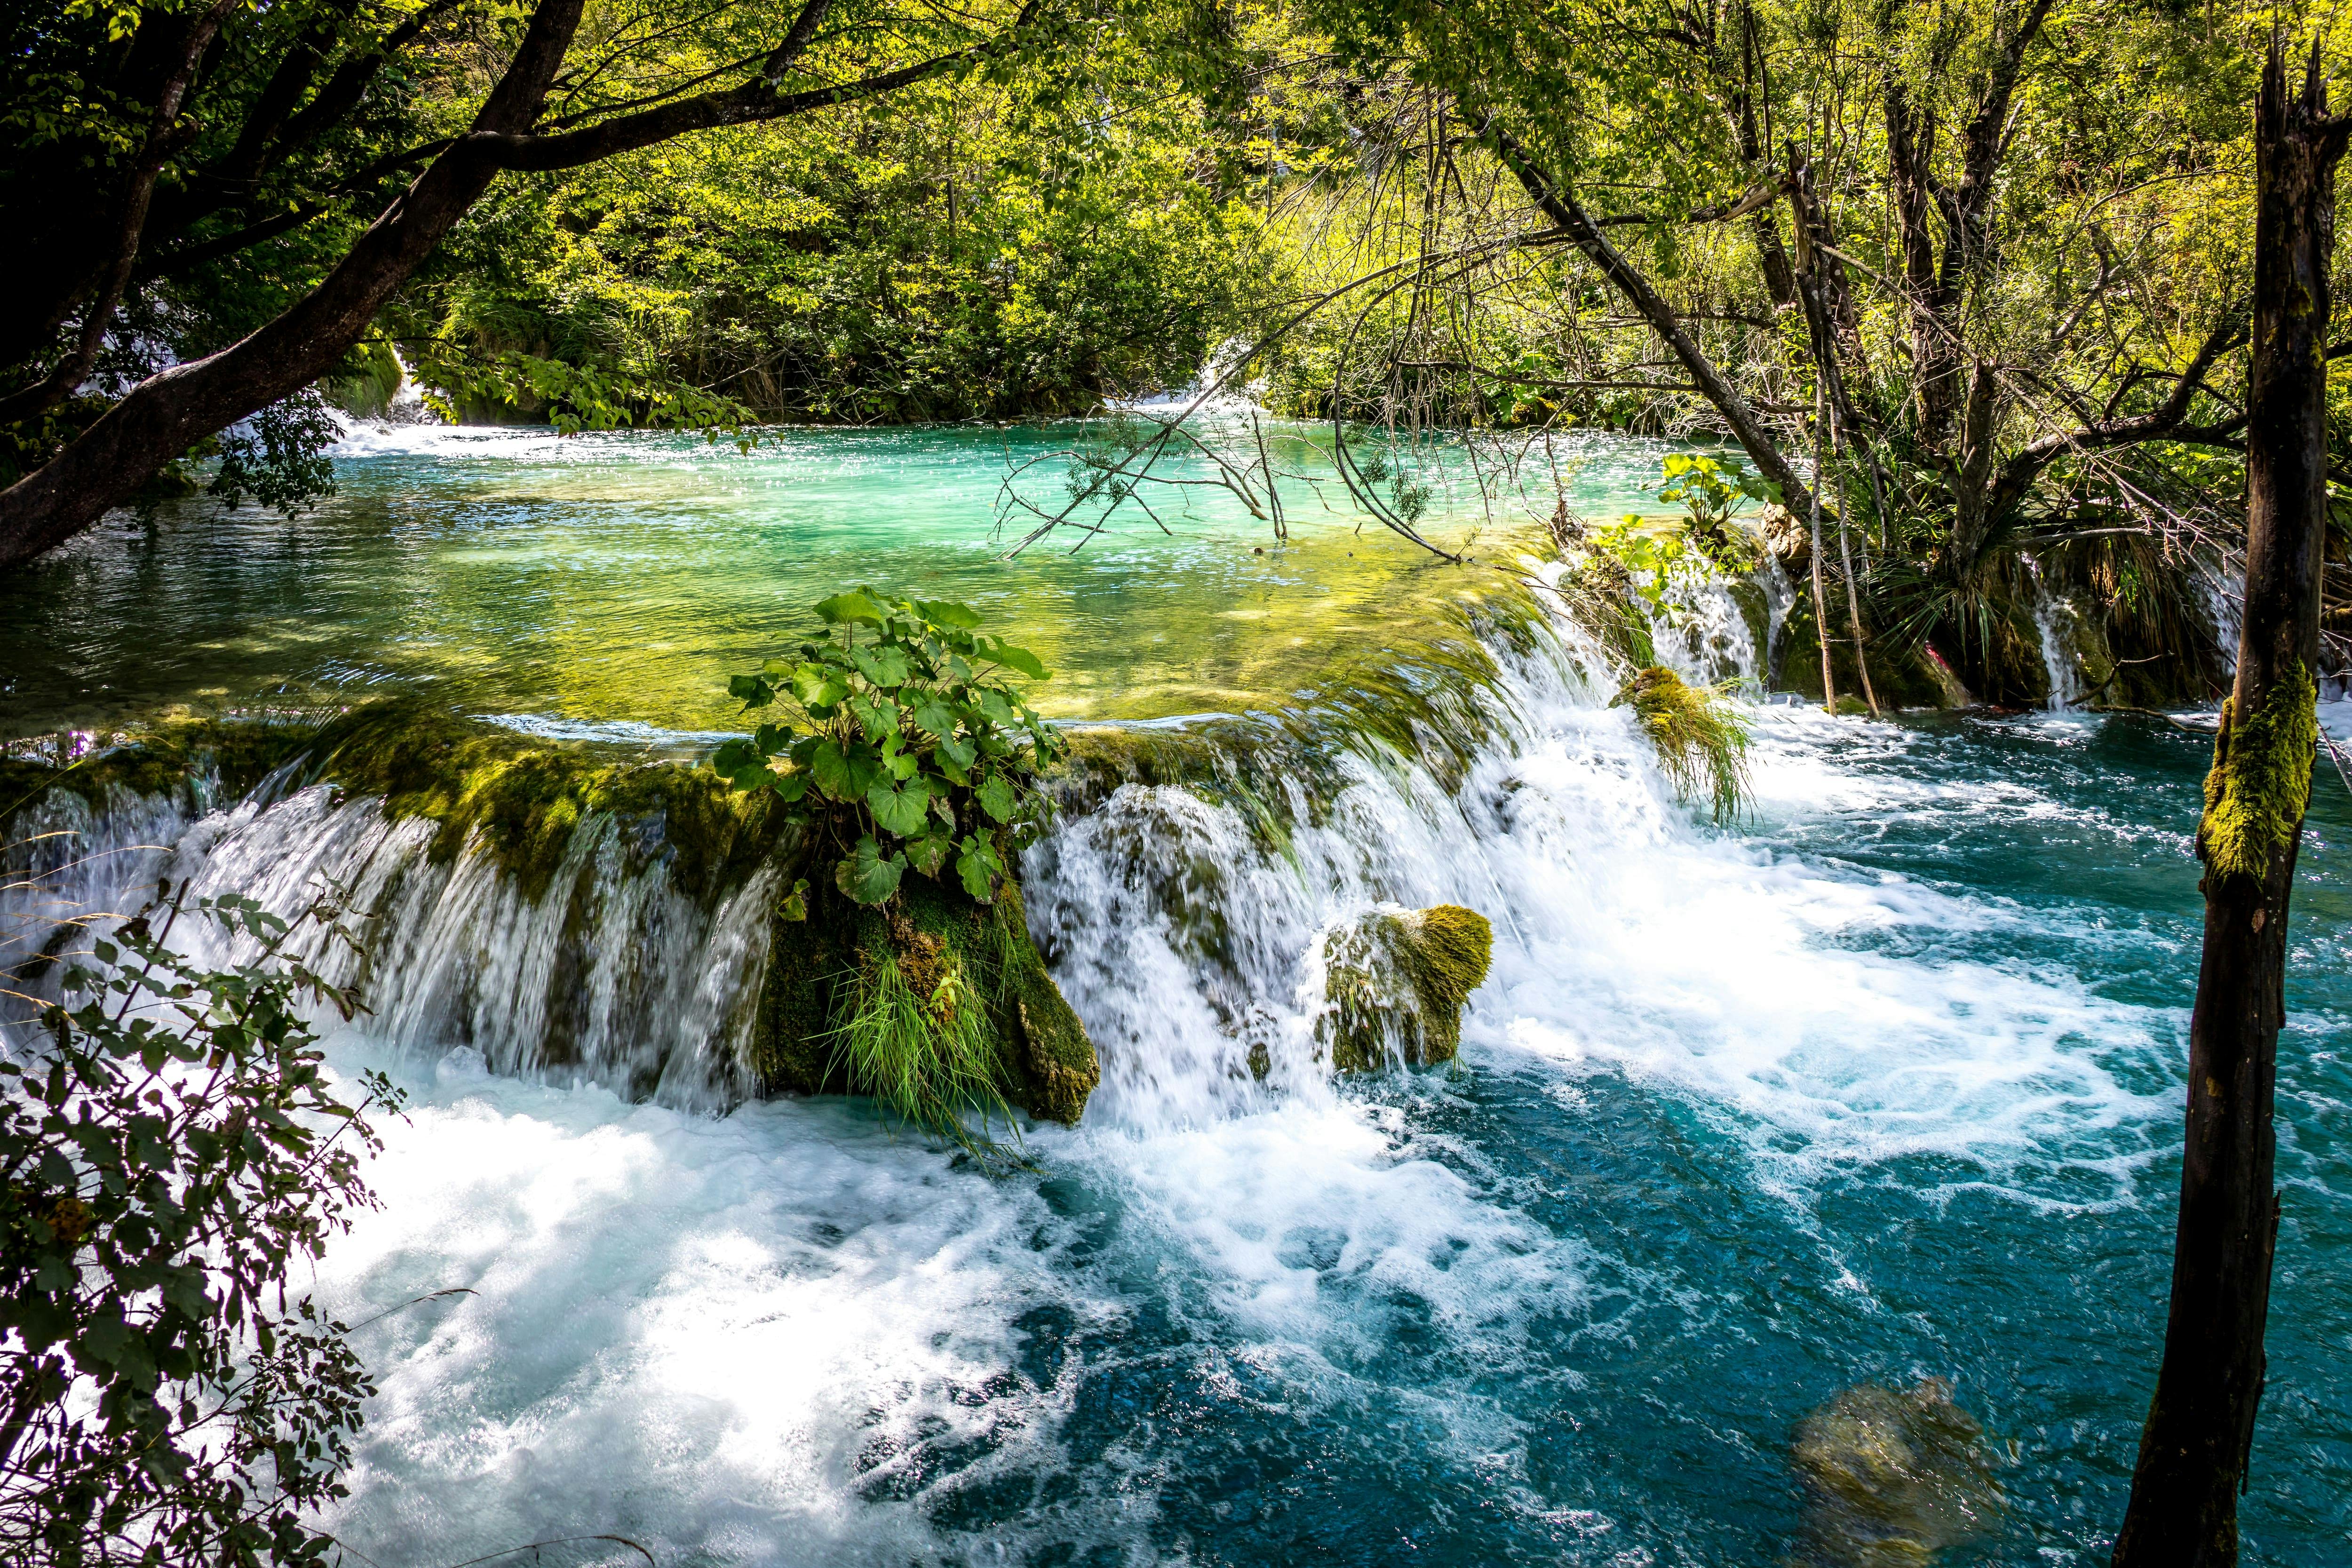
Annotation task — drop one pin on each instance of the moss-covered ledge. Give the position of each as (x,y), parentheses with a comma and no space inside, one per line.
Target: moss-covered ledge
(942,946)
(1394,985)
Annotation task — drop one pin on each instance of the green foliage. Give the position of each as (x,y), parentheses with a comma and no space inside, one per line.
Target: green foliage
(278,456)
(1700,738)
(2260,784)
(1710,491)
(969,249)
(914,751)
(914,1033)
(169,1156)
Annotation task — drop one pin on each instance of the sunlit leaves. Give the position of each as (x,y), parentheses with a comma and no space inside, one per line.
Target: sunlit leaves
(911,755)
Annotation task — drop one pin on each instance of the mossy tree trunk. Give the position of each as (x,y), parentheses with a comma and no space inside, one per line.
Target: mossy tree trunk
(2194,1453)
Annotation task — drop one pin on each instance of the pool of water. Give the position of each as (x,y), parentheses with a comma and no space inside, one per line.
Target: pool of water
(618,580)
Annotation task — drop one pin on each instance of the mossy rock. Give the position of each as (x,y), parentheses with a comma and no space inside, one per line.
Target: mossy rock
(1756,610)
(522,799)
(1394,985)
(1046,1064)
(201,762)
(1893,1477)
(1903,678)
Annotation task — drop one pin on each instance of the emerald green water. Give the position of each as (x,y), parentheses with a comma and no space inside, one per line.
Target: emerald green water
(619,579)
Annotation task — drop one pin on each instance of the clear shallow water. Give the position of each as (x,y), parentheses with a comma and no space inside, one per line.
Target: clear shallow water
(1881,1085)
(618,580)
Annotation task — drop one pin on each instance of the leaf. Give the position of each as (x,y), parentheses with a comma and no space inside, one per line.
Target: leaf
(814,686)
(995,797)
(794,906)
(978,866)
(898,810)
(843,775)
(877,715)
(936,717)
(1019,658)
(930,852)
(954,748)
(751,690)
(865,877)
(791,786)
(947,612)
(856,606)
(886,667)
(734,757)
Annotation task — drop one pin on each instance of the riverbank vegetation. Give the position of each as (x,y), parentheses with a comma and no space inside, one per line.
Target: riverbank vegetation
(1974,280)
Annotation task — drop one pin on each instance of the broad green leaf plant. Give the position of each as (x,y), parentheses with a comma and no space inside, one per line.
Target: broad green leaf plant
(912,750)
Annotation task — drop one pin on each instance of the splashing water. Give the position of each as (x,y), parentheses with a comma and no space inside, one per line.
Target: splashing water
(1882,1084)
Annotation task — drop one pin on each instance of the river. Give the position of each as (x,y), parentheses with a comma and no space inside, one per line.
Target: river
(1882,1083)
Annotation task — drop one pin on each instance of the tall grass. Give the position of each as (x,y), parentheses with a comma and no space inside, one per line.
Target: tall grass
(930,1060)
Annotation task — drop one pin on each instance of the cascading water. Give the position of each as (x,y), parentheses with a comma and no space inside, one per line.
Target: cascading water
(2054,626)
(1743,1120)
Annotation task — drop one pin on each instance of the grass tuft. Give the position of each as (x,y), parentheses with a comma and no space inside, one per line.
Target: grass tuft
(925,1051)
(1699,736)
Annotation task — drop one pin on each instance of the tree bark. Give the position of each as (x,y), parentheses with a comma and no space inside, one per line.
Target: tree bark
(2195,1449)
(1558,204)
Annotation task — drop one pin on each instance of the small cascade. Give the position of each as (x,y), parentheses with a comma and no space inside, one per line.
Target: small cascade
(2223,585)
(2054,626)
(611,975)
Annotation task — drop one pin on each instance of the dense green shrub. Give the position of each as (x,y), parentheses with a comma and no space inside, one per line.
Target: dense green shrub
(171,1149)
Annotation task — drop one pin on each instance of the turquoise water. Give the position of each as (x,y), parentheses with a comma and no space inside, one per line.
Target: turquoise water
(1881,1084)
(621,578)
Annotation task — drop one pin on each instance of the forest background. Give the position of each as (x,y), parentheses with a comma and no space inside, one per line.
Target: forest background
(1983,266)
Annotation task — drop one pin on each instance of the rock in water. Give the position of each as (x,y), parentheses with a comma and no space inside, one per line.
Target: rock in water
(1893,1475)
(1394,983)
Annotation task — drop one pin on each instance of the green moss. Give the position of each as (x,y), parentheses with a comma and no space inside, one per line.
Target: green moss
(2261,781)
(1399,981)
(522,799)
(201,761)
(823,971)
(1699,737)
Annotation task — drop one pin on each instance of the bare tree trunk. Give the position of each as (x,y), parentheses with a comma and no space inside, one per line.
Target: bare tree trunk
(2195,1450)
(1820,599)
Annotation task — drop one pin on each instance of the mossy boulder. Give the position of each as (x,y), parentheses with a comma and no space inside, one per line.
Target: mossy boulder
(1903,678)
(1893,1477)
(1395,982)
(935,936)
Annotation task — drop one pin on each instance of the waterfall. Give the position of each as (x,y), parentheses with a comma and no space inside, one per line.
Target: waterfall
(611,976)
(2054,626)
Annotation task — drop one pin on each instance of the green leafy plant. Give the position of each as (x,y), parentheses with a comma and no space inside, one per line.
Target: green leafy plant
(1698,734)
(168,1154)
(915,752)
(1711,491)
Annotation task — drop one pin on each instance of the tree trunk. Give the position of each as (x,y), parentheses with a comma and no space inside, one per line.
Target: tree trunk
(166,413)
(1556,203)
(2200,1423)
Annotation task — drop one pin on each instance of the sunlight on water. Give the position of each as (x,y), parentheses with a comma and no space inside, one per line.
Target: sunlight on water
(598,580)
